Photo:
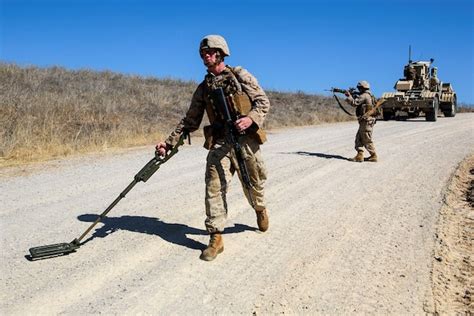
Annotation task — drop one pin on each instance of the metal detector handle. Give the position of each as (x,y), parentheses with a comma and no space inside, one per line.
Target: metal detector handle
(154,164)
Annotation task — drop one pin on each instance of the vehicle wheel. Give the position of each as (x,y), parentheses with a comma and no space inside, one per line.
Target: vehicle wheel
(387,115)
(432,115)
(454,107)
(413,115)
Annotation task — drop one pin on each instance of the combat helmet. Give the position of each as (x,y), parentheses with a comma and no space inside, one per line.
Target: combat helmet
(214,41)
(363,84)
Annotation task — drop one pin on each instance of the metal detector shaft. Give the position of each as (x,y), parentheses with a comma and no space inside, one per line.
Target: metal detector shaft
(65,248)
(143,175)
(107,210)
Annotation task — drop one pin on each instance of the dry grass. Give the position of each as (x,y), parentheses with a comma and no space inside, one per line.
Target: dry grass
(465,108)
(299,109)
(54,112)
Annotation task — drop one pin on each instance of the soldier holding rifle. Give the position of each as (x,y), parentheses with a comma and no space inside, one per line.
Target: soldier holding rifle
(236,106)
(364,103)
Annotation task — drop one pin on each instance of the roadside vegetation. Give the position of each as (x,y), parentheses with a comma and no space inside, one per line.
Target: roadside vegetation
(465,108)
(54,112)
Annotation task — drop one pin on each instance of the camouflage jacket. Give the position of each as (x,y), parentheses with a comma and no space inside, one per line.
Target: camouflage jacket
(362,102)
(232,80)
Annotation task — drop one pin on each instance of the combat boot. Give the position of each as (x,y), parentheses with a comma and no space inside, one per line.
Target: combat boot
(216,246)
(359,157)
(262,220)
(373,157)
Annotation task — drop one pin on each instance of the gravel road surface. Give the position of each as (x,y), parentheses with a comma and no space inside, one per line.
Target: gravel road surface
(344,237)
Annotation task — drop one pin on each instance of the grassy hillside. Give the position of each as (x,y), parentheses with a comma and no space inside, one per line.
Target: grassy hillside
(51,112)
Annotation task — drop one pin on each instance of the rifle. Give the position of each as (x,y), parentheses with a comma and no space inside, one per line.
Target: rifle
(375,110)
(233,136)
(352,91)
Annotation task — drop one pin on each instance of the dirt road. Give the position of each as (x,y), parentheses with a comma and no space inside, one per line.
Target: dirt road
(344,237)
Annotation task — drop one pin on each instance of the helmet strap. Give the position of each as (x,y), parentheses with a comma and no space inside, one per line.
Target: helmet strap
(219,56)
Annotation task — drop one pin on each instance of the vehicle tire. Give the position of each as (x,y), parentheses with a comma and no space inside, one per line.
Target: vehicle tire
(432,116)
(454,107)
(413,115)
(387,115)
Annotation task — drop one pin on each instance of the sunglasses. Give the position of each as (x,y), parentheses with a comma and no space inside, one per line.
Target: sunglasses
(208,51)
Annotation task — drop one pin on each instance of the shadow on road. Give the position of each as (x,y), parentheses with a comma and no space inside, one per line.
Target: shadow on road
(410,119)
(320,155)
(171,232)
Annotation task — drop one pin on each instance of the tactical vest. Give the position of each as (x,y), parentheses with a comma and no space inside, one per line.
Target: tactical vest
(237,98)
(231,86)
(361,109)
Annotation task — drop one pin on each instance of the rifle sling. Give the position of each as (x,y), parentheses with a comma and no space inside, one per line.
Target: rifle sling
(340,105)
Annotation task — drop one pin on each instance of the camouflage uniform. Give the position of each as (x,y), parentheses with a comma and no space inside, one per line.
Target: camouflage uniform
(221,161)
(363,103)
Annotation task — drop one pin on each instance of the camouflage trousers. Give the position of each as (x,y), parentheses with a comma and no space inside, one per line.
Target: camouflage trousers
(220,168)
(364,135)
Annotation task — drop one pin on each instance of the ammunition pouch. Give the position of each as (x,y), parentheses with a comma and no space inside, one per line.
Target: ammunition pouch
(257,133)
(368,108)
(242,103)
(243,106)
(212,133)
(368,120)
(208,137)
(359,111)
(260,136)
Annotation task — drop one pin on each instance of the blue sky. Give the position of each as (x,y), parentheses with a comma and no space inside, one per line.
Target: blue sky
(288,45)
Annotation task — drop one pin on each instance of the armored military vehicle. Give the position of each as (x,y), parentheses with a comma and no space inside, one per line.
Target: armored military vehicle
(420,91)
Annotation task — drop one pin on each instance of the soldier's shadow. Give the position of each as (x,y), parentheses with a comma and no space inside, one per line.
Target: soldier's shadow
(171,232)
(321,155)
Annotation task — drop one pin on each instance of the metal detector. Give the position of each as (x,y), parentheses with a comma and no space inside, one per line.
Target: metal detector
(55,250)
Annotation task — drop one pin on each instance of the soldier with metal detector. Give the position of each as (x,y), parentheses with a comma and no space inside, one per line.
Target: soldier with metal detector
(236,107)
(60,249)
